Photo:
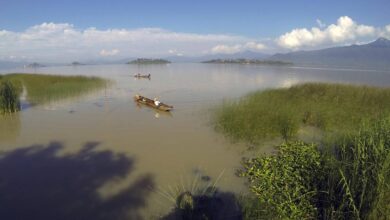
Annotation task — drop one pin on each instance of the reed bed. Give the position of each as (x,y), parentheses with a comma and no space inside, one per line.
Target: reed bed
(43,88)
(46,88)
(9,97)
(333,108)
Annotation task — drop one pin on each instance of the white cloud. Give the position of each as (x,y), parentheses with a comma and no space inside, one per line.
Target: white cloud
(106,53)
(344,31)
(254,46)
(226,49)
(62,41)
(175,52)
(386,32)
(65,43)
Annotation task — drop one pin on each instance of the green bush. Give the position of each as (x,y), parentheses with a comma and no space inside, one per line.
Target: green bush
(287,181)
(9,97)
(349,179)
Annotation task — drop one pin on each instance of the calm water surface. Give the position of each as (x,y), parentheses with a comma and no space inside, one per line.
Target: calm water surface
(113,153)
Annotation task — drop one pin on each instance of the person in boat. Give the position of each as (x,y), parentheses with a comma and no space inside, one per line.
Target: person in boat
(156,102)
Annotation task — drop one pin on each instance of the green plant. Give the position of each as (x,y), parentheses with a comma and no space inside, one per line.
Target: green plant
(332,108)
(253,208)
(43,88)
(9,97)
(287,181)
(346,179)
(359,182)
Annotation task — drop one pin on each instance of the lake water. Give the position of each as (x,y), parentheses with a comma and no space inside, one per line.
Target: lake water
(102,152)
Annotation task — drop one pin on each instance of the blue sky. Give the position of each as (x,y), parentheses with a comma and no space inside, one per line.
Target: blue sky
(249,18)
(251,23)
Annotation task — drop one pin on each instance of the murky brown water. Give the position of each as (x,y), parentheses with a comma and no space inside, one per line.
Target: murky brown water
(160,150)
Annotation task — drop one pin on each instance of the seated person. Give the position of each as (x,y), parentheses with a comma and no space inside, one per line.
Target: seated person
(156,102)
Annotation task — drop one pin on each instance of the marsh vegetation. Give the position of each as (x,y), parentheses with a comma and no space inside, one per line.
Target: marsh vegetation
(332,108)
(43,88)
(343,177)
(46,88)
(9,97)
(348,179)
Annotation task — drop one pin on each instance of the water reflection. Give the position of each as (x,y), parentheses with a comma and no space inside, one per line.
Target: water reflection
(215,205)
(36,183)
(10,126)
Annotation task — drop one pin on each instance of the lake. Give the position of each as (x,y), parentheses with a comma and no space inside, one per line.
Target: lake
(104,149)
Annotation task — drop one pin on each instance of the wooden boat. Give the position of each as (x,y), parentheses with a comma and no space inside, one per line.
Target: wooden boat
(142,76)
(150,103)
(157,113)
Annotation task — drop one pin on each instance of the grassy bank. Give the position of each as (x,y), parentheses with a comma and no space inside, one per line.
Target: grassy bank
(46,88)
(283,112)
(344,177)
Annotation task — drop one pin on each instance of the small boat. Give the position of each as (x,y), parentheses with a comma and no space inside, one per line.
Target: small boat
(150,103)
(142,76)
(157,113)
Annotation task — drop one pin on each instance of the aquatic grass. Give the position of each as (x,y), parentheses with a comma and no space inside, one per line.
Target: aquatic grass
(333,108)
(43,88)
(360,173)
(9,97)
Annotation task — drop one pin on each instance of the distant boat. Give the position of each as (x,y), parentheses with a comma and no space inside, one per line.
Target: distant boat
(142,76)
(149,102)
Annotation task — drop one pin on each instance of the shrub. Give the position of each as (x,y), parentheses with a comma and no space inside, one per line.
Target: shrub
(287,181)
(347,180)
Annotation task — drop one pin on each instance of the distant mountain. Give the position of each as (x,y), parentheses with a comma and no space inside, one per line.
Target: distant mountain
(372,55)
(196,59)
(248,61)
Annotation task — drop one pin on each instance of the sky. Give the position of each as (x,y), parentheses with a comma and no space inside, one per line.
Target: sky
(52,30)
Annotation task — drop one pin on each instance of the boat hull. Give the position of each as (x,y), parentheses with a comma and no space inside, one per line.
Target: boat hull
(142,76)
(150,103)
